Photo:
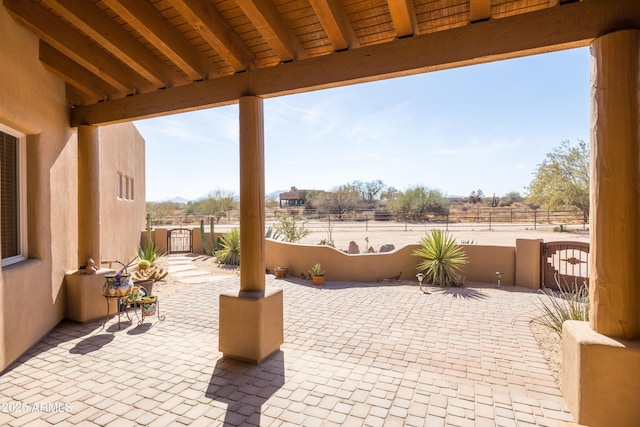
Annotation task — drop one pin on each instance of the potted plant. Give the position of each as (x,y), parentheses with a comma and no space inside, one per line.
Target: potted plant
(147,274)
(117,285)
(317,274)
(281,271)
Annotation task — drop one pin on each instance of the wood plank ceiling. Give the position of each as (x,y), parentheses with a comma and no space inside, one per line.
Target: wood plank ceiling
(109,50)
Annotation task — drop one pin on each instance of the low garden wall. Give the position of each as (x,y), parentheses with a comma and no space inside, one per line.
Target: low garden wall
(519,264)
(484,261)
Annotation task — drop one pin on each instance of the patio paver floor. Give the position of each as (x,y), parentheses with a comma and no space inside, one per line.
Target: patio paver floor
(355,354)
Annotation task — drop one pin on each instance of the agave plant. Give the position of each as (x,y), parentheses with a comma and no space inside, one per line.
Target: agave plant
(569,303)
(230,248)
(442,259)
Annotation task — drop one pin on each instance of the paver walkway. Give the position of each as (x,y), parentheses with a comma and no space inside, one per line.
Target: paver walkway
(183,269)
(354,355)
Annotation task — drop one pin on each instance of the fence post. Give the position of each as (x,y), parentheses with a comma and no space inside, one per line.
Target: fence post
(489,220)
(447,221)
(535,219)
(511,210)
(366,222)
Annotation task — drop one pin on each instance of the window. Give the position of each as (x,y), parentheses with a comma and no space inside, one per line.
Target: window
(124,187)
(119,194)
(12,196)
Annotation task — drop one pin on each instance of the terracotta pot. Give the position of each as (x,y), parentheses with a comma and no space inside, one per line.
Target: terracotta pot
(281,271)
(318,280)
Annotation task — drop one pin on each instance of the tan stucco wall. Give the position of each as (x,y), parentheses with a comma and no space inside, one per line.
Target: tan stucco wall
(528,255)
(32,102)
(484,261)
(122,149)
(600,377)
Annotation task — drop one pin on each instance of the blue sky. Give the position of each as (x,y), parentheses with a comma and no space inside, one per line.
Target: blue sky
(482,127)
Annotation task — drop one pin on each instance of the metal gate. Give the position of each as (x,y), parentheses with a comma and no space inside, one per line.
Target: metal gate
(565,263)
(179,240)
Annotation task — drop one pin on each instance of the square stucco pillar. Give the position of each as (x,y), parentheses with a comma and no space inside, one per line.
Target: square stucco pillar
(600,377)
(251,320)
(601,359)
(528,252)
(253,324)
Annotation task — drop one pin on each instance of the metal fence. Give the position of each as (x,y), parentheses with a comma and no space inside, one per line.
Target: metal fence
(363,219)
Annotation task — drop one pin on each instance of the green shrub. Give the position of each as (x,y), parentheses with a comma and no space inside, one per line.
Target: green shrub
(569,303)
(149,252)
(292,228)
(442,259)
(229,252)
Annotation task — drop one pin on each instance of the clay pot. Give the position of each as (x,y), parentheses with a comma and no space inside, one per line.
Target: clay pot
(318,280)
(281,271)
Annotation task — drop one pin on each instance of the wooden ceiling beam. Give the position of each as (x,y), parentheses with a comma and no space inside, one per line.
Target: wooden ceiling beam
(265,17)
(480,10)
(572,25)
(48,27)
(75,74)
(211,25)
(95,23)
(150,23)
(403,15)
(336,24)
(76,97)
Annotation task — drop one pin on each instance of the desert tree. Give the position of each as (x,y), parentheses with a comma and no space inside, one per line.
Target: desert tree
(476,196)
(217,203)
(417,201)
(562,179)
(369,191)
(339,201)
(510,198)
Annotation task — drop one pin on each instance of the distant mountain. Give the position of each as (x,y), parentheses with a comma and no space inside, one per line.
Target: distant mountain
(180,200)
(275,194)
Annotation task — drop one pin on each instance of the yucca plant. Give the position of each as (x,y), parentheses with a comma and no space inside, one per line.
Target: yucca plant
(230,248)
(442,259)
(569,303)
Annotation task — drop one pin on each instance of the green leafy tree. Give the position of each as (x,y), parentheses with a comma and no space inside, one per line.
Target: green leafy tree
(218,203)
(562,179)
(390,193)
(417,201)
(510,198)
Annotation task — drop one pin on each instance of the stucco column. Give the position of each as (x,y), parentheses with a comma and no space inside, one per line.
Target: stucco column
(615,165)
(251,319)
(88,194)
(252,265)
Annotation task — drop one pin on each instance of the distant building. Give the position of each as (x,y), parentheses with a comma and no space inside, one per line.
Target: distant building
(293,197)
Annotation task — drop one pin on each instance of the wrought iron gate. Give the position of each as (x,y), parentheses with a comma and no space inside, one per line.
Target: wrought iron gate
(565,263)
(179,240)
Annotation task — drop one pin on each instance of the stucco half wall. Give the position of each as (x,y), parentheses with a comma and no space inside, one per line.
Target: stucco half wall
(484,262)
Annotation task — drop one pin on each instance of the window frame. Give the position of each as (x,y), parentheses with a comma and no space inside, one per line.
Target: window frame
(21,164)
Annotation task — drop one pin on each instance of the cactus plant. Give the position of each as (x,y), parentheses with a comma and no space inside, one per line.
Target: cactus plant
(210,250)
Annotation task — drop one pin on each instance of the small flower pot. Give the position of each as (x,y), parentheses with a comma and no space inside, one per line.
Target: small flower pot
(318,280)
(281,271)
(149,307)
